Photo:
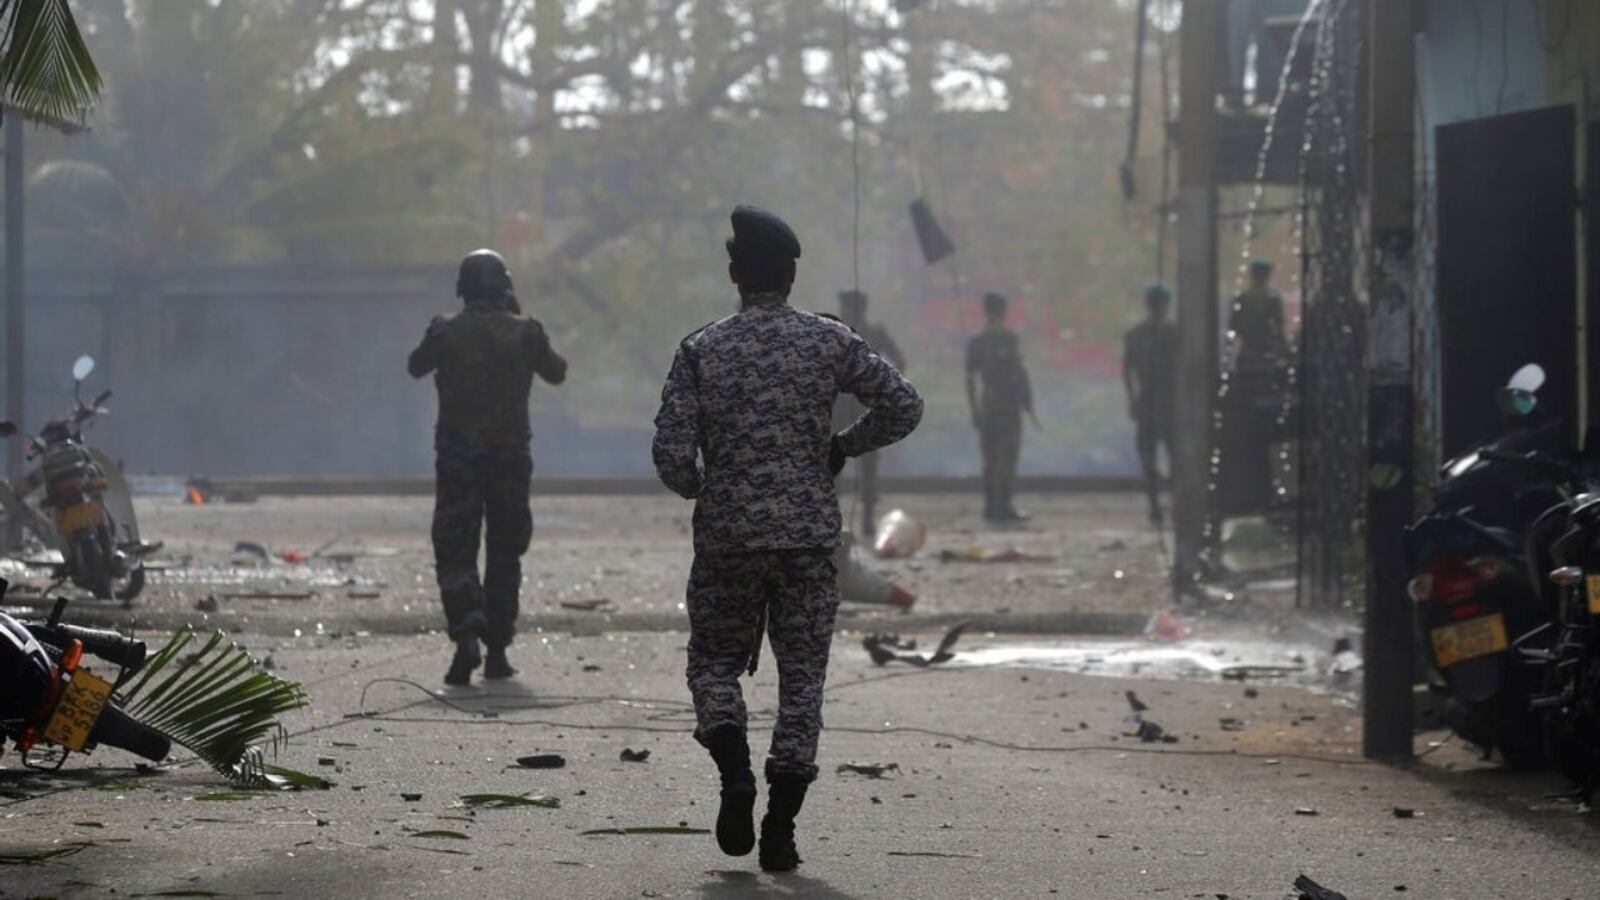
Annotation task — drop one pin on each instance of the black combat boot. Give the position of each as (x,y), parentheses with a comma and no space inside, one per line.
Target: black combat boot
(467,658)
(496,665)
(785,794)
(736,827)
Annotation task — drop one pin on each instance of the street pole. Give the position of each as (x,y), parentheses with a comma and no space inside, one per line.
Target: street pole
(1201,50)
(1389,661)
(15,311)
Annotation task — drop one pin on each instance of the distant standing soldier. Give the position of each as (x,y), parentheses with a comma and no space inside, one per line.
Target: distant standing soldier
(994,357)
(1148,372)
(853,310)
(1255,400)
(752,397)
(483,360)
(1257,322)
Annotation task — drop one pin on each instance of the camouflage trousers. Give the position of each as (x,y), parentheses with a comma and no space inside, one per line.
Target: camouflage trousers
(797,593)
(480,491)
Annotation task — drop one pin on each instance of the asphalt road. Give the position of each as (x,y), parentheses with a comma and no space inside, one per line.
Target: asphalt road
(1008,782)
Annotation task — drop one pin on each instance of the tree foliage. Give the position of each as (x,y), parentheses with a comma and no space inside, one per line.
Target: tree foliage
(600,144)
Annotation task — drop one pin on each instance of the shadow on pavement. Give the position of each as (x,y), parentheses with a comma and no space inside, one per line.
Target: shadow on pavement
(734,885)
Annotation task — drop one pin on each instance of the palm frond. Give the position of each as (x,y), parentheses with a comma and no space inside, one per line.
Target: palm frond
(215,700)
(45,68)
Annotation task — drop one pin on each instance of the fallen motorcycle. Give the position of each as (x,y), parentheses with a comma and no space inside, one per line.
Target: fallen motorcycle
(77,502)
(48,695)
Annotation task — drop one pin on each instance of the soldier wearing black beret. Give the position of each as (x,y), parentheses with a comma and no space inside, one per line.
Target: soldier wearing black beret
(745,431)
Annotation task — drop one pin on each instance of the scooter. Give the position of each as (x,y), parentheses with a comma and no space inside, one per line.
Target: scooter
(1477,561)
(86,509)
(48,696)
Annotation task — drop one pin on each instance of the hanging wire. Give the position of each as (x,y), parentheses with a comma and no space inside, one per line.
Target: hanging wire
(848,67)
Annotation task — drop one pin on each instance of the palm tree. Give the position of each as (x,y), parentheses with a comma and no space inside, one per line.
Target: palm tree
(46,70)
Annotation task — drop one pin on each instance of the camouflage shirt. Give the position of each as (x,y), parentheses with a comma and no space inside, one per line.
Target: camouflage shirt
(483,360)
(848,408)
(752,395)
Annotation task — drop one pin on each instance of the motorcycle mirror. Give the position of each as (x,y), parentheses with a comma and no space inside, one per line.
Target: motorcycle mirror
(1528,379)
(101,400)
(1515,402)
(83,368)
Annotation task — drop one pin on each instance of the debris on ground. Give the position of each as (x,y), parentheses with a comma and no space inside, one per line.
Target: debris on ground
(602,604)
(1310,890)
(293,557)
(1167,625)
(860,583)
(899,535)
(1152,733)
(1136,704)
(887,648)
(1306,811)
(542,761)
(208,603)
(635,756)
(645,829)
(1229,723)
(977,553)
(1402,812)
(251,548)
(508,801)
(411,798)
(871,770)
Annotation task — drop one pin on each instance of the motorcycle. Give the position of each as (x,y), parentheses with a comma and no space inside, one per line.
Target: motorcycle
(1567,651)
(51,697)
(86,510)
(1477,563)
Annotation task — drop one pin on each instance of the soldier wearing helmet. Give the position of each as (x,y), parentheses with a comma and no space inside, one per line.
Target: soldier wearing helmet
(483,361)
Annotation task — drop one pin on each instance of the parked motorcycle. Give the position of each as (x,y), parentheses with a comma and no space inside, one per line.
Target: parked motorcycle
(48,696)
(86,509)
(1567,652)
(1477,563)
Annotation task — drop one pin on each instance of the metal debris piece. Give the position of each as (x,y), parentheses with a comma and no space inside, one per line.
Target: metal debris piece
(1310,890)
(635,756)
(542,761)
(884,648)
(871,770)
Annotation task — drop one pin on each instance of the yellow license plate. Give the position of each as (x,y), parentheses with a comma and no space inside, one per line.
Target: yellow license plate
(1470,639)
(73,721)
(78,517)
(1593,582)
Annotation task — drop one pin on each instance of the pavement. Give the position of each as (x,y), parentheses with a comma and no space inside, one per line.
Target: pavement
(1007,780)
(1014,770)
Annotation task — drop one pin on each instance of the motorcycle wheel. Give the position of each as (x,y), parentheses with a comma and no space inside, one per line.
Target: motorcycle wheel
(128,588)
(1518,734)
(93,562)
(118,729)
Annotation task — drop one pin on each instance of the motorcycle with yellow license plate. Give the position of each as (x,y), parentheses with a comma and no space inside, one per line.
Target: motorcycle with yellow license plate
(49,696)
(76,501)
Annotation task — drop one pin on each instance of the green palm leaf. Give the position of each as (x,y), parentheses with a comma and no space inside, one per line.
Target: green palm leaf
(210,696)
(45,67)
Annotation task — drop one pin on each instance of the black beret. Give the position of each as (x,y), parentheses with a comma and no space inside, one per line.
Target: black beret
(994,301)
(756,229)
(853,296)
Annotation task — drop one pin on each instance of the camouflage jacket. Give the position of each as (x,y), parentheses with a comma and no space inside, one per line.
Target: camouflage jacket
(752,395)
(483,360)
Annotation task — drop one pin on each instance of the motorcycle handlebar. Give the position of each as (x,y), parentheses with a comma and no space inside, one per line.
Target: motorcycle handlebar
(108,645)
(1533,460)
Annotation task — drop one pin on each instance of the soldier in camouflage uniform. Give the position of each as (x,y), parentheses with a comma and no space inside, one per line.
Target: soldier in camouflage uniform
(853,310)
(483,361)
(994,357)
(744,430)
